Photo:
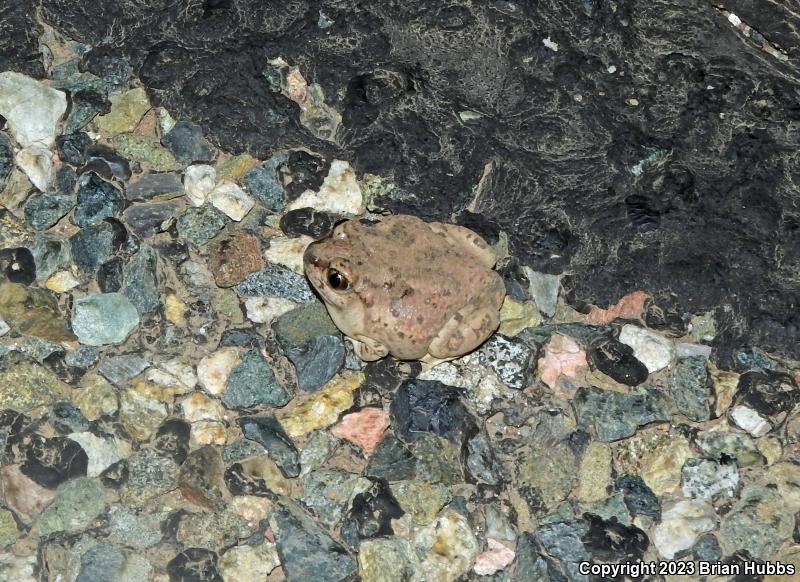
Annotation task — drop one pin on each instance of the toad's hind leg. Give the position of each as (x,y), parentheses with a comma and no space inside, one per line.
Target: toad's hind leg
(465,331)
(368,349)
(465,238)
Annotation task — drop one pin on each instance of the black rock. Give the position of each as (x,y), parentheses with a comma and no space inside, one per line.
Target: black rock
(309,222)
(665,321)
(116,475)
(6,159)
(317,361)
(609,540)
(616,360)
(86,104)
(44,210)
(392,460)
(172,439)
(768,393)
(66,179)
(481,463)
(242,338)
(109,63)
(67,418)
(185,140)
(268,432)
(382,378)
(93,244)
(194,565)
(57,362)
(145,220)
(12,425)
(422,406)
(240,481)
(109,275)
(371,514)
(517,284)
(97,200)
(707,548)
(307,172)
(306,551)
(107,163)
(51,461)
(18,265)
(175,251)
(639,498)
(151,186)
(72,148)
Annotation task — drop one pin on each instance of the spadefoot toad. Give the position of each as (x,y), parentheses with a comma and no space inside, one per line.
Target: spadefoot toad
(401,286)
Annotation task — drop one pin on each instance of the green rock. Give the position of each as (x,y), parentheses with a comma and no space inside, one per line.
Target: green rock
(226,303)
(388,560)
(252,383)
(32,311)
(25,386)
(691,388)
(594,474)
(438,460)
(614,506)
(200,225)
(549,470)
(615,415)
(78,503)
(759,522)
(131,529)
(733,444)
(146,150)
(297,327)
(328,491)
(249,562)
(127,110)
(421,500)
(149,476)
(9,532)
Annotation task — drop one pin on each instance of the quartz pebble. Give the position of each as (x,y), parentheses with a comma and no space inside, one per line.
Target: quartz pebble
(653,350)
(31,108)
(231,200)
(198,182)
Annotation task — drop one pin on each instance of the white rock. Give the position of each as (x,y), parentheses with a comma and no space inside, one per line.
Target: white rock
(681,525)
(653,350)
(749,420)
(102,453)
(230,199)
(266,309)
(207,432)
(4,328)
(690,350)
(339,193)
(214,369)
(37,163)
(198,182)
(198,406)
(706,478)
(446,373)
(288,251)
(496,558)
(448,545)
(31,108)
(166,380)
(182,371)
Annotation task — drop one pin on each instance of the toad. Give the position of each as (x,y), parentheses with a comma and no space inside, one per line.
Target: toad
(401,286)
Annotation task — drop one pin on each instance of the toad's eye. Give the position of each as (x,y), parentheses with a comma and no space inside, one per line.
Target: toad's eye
(337,280)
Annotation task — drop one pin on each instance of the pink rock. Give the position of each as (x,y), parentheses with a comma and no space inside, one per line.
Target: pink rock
(564,360)
(364,428)
(494,559)
(26,497)
(629,307)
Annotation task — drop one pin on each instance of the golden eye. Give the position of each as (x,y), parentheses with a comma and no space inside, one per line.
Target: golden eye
(337,280)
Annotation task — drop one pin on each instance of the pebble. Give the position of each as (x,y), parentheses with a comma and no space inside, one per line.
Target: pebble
(594,473)
(267,309)
(322,408)
(127,109)
(493,560)
(120,369)
(509,359)
(145,220)
(653,350)
(106,318)
(146,150)
(36,162)
(759,522)
(6,159)
(140,414)
(31,108)
(749,421)
(288,251)
(364,428)
(4,328)
(276,281)
(200,478)
(448,547)
(93,244)
(268,432)
(200,225)
(233,257)
(307,222)
(263,183)
(61,282)
(186,142)
(423,406)
(617,361)
(564,362)
(24,495)
(339,193)
(387,560)
(707,478)
(78,502)
(252,383)
(141,281)
(72,148)
(101,452)
(18,265)
(96,397)
(32,311)
(691,388)
(317,361)
(97,200)
(213,370)
(638,497)
(158,185)
(107,163)
(544,290)
(614,415)
(249,562)
(198,182)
